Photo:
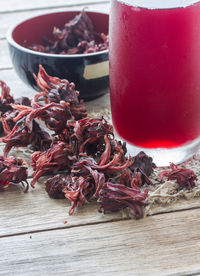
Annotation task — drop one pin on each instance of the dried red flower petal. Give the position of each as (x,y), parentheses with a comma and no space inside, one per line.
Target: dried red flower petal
(54,187)
(99,179)
(84,146)
(87,134)
(78,110)
(92,175)
(57,90)
(77,37)
(7,112)
(13,171)
(5,98)
(77,190)
(7,120)
(57,157)
(81,26)
(114,197)
(110,168)
(142,168)
(185,178)
(21,137)
(23,101)
(54,115)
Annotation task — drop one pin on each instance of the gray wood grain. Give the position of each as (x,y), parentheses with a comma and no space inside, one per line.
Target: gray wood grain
(10,19)
(23,5)
(18,87)
(161,245)
(5,61)
(34,211)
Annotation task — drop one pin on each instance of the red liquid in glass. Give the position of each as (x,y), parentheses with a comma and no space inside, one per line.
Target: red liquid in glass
(155,74)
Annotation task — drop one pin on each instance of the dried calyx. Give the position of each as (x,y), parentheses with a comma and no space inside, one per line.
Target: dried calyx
(7,113)
(96,177)
(55,90)
(13,171)
(76,37)
(184,177)
(96,163)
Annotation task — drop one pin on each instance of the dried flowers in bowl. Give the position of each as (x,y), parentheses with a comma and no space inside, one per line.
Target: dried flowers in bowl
(76,37)
(68,46)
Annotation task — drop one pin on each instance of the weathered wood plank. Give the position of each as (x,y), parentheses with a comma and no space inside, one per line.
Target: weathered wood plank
(5,61)
(18,88)
(35,211)
(179,205)
(10,19)
(162,245)
(13,5)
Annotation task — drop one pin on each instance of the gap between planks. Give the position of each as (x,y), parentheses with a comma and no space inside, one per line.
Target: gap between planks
(93,223)
(6,68)
(196,273)
(63,228)
(160,245)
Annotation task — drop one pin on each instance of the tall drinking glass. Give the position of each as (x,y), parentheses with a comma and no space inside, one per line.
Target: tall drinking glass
(154,57)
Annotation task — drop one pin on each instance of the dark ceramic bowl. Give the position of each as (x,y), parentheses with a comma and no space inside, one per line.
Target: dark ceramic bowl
(88,71)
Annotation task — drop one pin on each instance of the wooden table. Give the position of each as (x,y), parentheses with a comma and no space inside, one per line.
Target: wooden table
(33,237)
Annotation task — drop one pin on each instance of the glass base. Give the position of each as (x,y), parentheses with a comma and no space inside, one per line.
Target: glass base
(163,157)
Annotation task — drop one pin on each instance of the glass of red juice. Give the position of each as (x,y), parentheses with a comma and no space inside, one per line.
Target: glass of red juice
(154,55)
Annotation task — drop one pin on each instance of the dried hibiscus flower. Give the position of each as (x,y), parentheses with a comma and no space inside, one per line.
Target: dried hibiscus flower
(128,178)
(20,136)
(83,146)
(78,190)
(85,182)
(185,178)
(77,37)
(13,171)
(54,115)
(142,168)
(5,97)
(6,109)
(110,168)
(87,135)
(55,90)
(114,197)
(57,157)
(54,186)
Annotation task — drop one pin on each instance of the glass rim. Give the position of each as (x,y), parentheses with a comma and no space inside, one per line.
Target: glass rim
(156,4)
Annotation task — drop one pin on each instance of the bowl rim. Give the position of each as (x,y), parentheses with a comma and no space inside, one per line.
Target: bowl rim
(12,42)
